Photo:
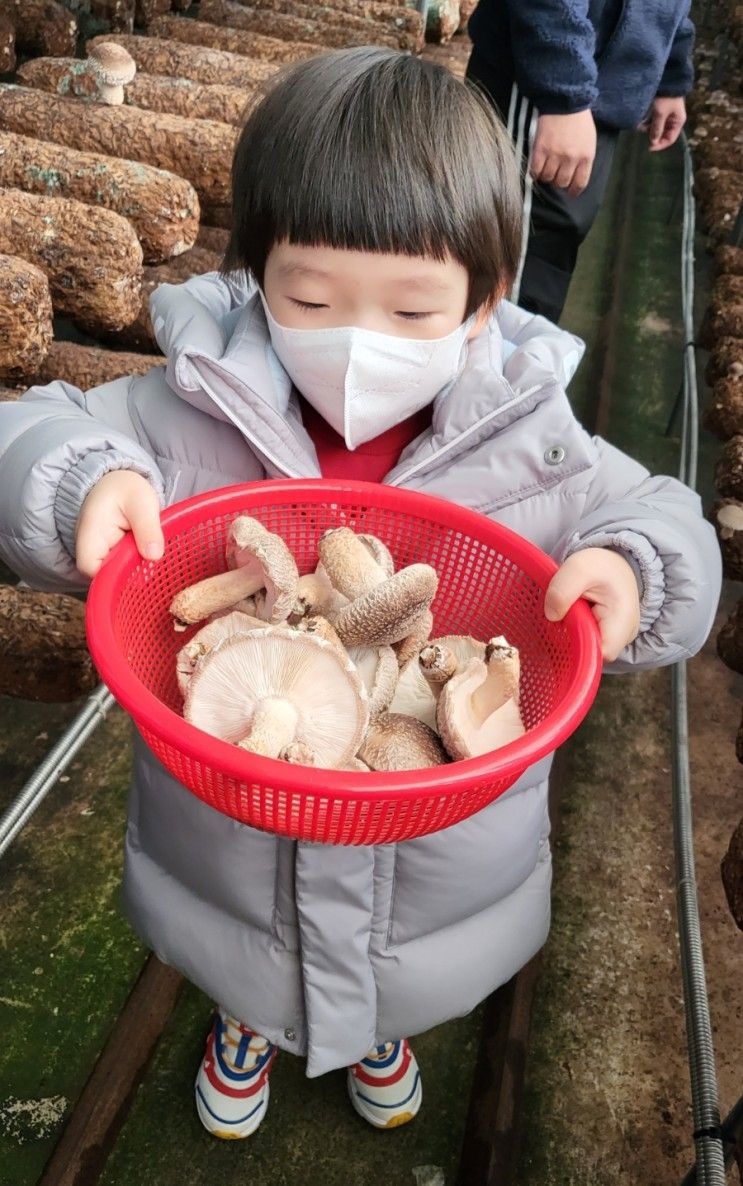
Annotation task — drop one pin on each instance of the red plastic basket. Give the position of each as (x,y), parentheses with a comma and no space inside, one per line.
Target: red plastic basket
(490,582)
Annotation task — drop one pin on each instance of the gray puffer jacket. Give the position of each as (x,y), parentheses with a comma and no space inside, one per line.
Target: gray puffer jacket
(327,951)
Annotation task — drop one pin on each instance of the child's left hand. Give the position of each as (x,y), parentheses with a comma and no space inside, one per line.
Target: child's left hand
(608,581)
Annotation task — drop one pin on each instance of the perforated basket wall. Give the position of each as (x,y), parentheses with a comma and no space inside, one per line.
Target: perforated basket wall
(490,582)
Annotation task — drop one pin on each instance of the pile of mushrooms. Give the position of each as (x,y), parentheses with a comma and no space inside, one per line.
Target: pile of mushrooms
(335,668)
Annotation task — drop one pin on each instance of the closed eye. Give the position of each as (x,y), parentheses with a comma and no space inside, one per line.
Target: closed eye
(411,316)
(306,304)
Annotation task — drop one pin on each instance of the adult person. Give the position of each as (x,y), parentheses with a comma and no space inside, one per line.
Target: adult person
(566,76)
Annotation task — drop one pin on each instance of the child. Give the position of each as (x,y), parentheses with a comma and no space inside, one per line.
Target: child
(357,331)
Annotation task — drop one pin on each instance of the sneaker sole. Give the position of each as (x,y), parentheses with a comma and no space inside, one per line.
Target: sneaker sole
(234,1133)
(394,1121)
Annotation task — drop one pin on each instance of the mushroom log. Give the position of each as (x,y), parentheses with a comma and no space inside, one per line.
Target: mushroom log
(25,317)
(42,640)
(162,208)
(239,41)
(92,257)
(330,33)
(199,150)
(175,59)
(89,366)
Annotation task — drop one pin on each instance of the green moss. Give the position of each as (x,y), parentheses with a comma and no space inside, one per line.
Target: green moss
(68,956)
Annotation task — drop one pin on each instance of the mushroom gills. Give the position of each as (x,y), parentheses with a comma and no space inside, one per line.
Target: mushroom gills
(272,687)
(220,627)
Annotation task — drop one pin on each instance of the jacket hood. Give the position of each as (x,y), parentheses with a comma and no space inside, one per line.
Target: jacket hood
(220,360)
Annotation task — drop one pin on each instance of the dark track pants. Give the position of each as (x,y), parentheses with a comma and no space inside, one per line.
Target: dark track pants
(558,223)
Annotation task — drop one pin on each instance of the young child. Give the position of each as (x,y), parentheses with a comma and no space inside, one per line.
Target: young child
(358,330)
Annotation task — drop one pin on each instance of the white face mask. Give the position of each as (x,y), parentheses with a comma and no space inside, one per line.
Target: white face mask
(362,382)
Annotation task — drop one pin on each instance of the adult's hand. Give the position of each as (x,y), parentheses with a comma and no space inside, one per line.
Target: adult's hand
(564,150)
(664,122)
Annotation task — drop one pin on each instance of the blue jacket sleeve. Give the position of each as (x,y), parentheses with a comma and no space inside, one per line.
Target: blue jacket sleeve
(553,44)
(678,76)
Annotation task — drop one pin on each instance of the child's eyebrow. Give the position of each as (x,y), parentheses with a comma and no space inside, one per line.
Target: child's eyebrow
(424,283)
(287,270)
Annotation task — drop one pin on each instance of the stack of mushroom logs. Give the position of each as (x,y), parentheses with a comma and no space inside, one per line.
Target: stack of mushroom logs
(335,668)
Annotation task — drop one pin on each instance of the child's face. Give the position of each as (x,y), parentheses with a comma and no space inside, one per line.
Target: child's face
(327,287)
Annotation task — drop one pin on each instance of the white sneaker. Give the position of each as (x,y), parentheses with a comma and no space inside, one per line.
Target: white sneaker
(232,1083)
(385,1087)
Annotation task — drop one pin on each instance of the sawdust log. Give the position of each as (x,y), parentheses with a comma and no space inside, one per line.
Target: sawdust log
(729,469)
(199,150)
(726,516)
(90,366)
(153,92)
(42,26)
(146,11)
(162,208)
(730,640)
(731,867)
(724,413)
(720,321)
(213,239)
(117,15)
(91,256)
(395,18)
(442,20)
(7,44)
(174,59)
(236,41)
(725,361)
(720,192)
(139,334)
(729,260)
(42,641)
(25,317)
(330,34)
(10,393)
(714,154)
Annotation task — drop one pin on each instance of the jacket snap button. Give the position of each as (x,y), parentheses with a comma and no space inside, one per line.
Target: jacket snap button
(290,1034)
(554,455)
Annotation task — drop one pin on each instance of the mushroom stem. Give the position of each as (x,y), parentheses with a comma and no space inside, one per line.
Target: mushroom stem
(213,594)
(437,665)
(111,93)
(501,681)
(272,728)
(298,753)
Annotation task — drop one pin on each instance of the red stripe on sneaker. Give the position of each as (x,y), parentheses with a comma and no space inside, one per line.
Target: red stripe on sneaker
(238,1093)
(383,1080)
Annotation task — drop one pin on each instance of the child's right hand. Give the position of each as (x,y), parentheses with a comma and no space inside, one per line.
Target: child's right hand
(122,501)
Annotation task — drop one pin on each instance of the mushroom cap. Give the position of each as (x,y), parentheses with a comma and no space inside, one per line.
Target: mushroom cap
(379,673)
(379,551)
(387,613)
(266,556)
(111,64)
(349,562)
(224,625)
(413,696)
(397,742)
(463,733)
(281,664)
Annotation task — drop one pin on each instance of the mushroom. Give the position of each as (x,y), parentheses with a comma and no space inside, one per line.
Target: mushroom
(409,648)
(269,689)
(258,560)
(316,595)
(413,694)
(397,742)
(113,68)
(478,710)
(438,664)
(320,627)
(298,753)
(250,546)
(221,626)
(379,551)
(387,612)
(351,563)
(379,672)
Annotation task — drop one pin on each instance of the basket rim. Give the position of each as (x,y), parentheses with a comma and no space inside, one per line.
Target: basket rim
(152,715)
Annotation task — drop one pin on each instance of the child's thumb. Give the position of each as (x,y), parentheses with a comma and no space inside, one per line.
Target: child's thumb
(566,586)
(143,513)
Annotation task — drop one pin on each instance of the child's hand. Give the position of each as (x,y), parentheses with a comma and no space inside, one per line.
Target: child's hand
(608,581)
(122,501)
